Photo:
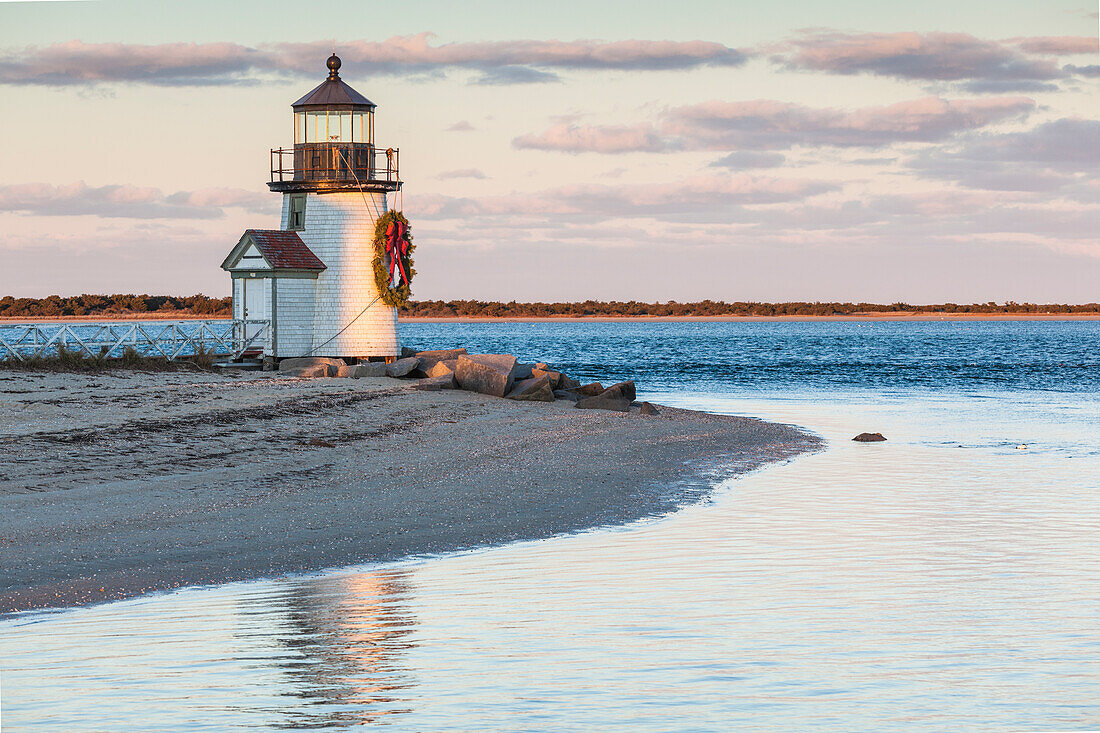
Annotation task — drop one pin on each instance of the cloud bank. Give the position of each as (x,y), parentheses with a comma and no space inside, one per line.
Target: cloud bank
(763,125)
(497,62)
(131,202)
(980,65)
(1055,155)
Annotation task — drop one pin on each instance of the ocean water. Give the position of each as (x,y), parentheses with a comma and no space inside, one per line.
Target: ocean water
(945,580)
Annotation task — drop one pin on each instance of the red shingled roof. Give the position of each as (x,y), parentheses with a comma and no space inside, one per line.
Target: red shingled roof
(284,250)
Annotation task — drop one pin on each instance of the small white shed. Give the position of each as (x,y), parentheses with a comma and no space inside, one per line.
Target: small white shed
(274,279)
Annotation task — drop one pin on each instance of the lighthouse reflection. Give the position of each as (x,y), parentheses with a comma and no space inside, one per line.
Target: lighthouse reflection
(343,649)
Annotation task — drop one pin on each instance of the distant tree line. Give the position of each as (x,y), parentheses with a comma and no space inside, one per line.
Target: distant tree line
(494,309)
(118,304)
(202,305)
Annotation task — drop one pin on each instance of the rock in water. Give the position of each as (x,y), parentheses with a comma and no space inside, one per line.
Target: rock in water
(318,443)
(370,369)
(620,391)
(441,368)
(535,389)
(648,409)
(406,351)
(302,362)
(402,367)
(567,382)
(603,403)
(869,438)
(434,384)
(555,377)
(588,390)
(491,374)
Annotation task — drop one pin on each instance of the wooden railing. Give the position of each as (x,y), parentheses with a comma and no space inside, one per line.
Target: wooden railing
(170,340)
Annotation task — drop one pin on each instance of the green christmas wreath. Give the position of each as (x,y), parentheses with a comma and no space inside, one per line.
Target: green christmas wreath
(393,263)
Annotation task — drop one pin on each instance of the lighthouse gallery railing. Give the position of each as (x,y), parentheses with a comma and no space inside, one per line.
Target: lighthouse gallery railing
(168,339)
(336,162)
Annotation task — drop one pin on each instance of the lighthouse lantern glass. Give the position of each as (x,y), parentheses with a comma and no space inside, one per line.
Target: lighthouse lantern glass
(325,127)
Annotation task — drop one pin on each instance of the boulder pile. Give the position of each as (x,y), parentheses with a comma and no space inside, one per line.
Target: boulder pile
(498,375)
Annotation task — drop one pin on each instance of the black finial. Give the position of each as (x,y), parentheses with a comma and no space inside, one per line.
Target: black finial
(334,67)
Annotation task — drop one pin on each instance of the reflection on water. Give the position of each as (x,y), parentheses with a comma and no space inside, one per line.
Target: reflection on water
(344,639)
(940,581)
(319,652)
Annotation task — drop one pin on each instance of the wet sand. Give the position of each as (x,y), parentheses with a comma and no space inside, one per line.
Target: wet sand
(112,486)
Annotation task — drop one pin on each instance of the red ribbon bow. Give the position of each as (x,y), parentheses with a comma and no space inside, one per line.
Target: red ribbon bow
(397,246)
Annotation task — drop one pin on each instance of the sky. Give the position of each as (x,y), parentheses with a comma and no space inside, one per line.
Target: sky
(844,151)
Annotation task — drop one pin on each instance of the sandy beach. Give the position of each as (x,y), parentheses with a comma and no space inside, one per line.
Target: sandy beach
(120,484)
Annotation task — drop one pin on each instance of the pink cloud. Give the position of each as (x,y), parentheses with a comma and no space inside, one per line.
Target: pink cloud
(175,64)
(126,201)
(697,198)
(571,138)
(771,125)
(1058,45)
(169,64)
(984,65)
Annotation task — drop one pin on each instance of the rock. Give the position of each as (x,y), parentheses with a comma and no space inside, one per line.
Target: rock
(603,403)
(311,361)
(345,371)
(402,367)
(564,394)
(317,370)
(523,371)
(434,384)
(535,389)
(543,366)
(439,354)
(440,368)
(555,377)
(491,374)
(407,352)
(620,391)
(370,369)
(428,359)
(588,390)
(648,409)
(869,438)
(318,443)
(567,382)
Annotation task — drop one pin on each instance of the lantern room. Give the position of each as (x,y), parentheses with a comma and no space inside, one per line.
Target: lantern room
(333,142)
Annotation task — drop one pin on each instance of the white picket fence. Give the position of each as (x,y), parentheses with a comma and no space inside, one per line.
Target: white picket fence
(170,339)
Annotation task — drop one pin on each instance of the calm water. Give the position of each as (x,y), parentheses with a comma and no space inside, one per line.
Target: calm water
(944,580)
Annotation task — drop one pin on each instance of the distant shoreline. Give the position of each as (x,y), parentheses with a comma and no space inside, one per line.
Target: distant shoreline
(870,316)
(929,316)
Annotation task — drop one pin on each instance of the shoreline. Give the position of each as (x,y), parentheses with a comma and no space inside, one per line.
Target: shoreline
(904,317)
(117,485)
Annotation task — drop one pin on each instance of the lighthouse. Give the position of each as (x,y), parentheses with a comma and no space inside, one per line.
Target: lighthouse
(327,281)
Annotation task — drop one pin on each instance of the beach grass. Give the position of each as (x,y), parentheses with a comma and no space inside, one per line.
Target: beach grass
(79,361)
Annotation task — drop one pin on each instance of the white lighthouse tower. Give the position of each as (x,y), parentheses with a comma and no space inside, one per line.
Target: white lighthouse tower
(313,279)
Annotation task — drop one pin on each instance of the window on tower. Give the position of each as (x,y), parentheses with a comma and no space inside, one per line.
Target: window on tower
(296,221)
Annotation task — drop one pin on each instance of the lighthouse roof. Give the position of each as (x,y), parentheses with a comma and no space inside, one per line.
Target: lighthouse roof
(334,92)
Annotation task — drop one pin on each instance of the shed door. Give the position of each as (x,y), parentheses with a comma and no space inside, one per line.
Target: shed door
(255,305)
